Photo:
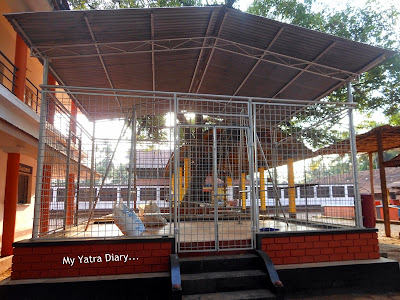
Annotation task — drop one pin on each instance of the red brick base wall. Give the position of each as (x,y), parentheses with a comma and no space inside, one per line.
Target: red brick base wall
(90,258)
(316,247)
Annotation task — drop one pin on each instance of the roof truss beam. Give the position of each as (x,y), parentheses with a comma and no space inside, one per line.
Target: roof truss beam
(213,43)
(305,69)
(286,61)
(101,58)
(374,62)
(201,51)
(258,61)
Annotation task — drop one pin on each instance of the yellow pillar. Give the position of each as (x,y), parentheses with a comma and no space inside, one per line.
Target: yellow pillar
(262,189)
(186,174)
(292,191)
(181,188)
(243,190)
(388,196)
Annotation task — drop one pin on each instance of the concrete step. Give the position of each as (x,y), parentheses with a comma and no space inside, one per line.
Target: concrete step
(203,264)
(370,275)
(212,282)
(237,295)
(5,263)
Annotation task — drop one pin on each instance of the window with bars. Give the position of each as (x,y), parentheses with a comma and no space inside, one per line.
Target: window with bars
(164,194)
(338,191)
(109,194)
(306,192)
(23,189)
(323,192)
(147,194)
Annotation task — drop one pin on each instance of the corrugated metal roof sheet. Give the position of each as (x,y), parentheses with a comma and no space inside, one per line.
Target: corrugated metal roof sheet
(237,40)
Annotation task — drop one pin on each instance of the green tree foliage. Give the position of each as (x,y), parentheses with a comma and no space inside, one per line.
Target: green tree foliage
(104,158)
(378,88)
(368,124)
(325,167)
(116,4)
(151,127)
(363,160)
(317,125)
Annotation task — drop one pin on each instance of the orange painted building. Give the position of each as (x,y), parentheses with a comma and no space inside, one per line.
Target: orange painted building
(20,77)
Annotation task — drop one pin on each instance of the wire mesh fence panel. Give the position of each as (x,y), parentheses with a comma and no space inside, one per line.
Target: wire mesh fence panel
(211,170)
(66,164)
(104,170)
(305,170)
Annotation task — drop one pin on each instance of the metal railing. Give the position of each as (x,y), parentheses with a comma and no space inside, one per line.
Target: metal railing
(7,72)
(32,96)
(8,77)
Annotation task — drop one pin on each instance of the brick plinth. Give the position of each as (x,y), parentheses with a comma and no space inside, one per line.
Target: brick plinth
(90,257)
(310,247)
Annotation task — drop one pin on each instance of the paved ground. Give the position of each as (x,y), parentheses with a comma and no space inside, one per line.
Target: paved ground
(5,275)
(389,245)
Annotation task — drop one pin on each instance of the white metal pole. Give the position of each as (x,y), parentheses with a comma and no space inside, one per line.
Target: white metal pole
(41,152)
(250,148)
(92,167)
(215,189)
(176,175)
(68,162)
(132,156)
(353,148)
(257,202)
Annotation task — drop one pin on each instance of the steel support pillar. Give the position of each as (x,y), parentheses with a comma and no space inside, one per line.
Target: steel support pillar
(41,152)
(353,148)
(45,201)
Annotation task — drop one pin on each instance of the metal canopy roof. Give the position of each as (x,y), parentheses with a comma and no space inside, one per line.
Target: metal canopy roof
(209,50)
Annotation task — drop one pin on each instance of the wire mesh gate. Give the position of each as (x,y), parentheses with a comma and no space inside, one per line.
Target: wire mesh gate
(212,156)
(211,160)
